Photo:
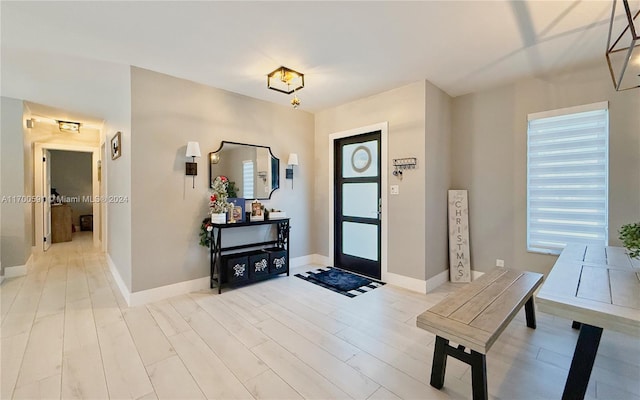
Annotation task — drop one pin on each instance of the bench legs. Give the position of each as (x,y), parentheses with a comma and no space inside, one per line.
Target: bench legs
(439,364)
(476,360)
(479,376)
(530,313)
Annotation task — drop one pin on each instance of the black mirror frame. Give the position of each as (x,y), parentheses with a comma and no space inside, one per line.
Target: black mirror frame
(273,157)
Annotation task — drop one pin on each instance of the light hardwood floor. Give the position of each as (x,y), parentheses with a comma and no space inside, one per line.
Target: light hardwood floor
(67,333)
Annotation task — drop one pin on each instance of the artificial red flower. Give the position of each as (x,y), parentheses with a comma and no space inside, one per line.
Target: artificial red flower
(223,178)
(213,197)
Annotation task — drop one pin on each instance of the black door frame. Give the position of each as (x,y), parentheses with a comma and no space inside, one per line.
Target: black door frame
(383,128)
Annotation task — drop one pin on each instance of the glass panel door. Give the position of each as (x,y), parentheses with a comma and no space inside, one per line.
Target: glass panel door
(357,204)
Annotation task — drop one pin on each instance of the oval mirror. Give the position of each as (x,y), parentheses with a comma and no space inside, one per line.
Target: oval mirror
(253,171)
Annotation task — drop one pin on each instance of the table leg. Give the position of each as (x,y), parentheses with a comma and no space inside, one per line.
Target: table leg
(582,363)
(530,313)
(439,362)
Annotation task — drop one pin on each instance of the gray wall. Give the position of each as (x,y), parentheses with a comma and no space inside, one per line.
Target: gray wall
(490,159)
(417,227)
(15,229)
(437,163)
(166,212)
(71,176)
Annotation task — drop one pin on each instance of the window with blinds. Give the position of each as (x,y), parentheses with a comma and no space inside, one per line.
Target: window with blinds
(567,178)
(247,179)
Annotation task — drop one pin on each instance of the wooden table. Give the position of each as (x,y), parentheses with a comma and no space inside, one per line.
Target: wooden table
(598,288)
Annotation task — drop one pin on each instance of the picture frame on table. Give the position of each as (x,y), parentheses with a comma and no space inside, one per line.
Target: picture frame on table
(256,209)
(237,213)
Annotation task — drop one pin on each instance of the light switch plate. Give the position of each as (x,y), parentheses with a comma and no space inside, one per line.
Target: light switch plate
(395,189)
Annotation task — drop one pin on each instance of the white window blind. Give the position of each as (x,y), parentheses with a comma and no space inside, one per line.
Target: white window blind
(247,179)
(567,159)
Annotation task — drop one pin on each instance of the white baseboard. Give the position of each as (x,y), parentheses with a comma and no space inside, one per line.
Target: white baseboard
(164,292)
(155,294)
(12,272)
(476,274)
(124,291)
(413,284)
(437,280)
(18,270)
(310,259)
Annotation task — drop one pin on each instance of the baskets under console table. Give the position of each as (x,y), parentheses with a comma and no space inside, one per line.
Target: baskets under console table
(239,266)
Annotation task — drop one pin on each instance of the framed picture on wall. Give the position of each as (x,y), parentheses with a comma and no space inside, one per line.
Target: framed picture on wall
(116,145)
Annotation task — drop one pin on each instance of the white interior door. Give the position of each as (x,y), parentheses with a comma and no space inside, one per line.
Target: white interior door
(46,192)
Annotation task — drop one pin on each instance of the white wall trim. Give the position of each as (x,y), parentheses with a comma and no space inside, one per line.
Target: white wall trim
(124,291)
(603,105)
(12,272)
(476,274)
(383,127)
(163,292)
(309,259)
(413,284)
(437,280)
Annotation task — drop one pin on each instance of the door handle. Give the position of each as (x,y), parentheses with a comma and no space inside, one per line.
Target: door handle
(379,208)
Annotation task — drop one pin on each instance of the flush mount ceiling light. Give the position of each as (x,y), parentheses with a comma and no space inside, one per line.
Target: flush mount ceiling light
(68,126)
(623,47)
(287,81)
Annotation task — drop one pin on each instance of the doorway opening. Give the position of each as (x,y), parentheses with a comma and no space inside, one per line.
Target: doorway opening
(67,179)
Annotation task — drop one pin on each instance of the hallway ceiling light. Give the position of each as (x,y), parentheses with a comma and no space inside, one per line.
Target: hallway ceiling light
(623,46)
(68,126)
(287,81)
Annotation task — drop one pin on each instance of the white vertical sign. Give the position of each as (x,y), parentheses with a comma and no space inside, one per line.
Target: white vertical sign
(459,257)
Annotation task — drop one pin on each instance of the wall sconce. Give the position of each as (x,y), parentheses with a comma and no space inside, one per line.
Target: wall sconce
(623,51)
(191,168)
(293,160)
(263,175)
(68,126)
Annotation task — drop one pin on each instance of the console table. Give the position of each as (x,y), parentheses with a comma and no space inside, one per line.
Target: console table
(239,267)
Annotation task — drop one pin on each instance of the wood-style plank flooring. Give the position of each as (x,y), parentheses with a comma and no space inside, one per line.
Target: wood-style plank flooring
(67,333)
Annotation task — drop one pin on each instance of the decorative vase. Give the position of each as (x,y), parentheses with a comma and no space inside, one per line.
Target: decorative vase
(219,218)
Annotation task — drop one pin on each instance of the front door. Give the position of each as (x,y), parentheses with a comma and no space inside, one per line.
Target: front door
(357,204)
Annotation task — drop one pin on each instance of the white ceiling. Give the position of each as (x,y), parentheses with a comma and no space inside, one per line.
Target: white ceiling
(347,50)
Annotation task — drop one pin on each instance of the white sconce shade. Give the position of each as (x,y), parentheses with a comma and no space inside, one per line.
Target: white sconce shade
(293,159)
(193,149)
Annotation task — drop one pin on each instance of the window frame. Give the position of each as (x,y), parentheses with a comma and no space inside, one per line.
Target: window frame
(604,106)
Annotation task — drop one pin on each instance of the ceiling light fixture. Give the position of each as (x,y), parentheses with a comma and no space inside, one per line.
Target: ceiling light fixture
(68,126)
(621,49)
(287,81)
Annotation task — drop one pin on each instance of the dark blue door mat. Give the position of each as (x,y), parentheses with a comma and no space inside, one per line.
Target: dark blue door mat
(340,281)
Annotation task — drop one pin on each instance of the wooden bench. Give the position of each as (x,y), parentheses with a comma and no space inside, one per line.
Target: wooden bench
(474,317)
